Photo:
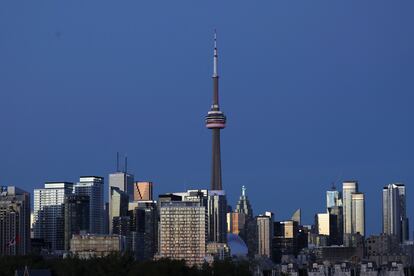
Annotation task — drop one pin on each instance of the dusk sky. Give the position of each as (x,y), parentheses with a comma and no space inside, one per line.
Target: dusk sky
(314,92)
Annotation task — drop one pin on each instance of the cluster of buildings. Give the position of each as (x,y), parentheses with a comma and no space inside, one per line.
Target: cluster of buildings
(337,239)
(199,225)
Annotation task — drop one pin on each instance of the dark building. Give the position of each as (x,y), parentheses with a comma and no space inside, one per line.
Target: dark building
(144,230)
(136,232)
(39,246)
(215,120)
(336,226)
(121,226)
(337,254)
(14,221)
(106,218)
(76,212)
(285,239)
(303,237)
(383,248)
(217,224)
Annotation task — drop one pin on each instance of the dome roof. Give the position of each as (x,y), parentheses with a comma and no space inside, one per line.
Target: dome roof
(237,245)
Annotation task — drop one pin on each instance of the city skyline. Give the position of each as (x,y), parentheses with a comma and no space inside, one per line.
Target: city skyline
(301,117)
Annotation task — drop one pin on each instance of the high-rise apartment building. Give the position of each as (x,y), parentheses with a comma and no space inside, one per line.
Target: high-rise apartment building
(216,207)
(143,190)
(183,231)
(394,217)
(265,234)
(358,213)
(49,213)
(14,221)
(348,188)
(93,187)
(76,216)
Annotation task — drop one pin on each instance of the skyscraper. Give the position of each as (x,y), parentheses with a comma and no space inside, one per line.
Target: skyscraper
(145,223)
(125,183)
(323,223)
(49,213)
(285,239)
(336,225)
(335,210)
(348,188)
(217,224)
(14,221)
(183,231)
(249,232)
(358,213)
(265,234)
(405,231)
(76,216)
(333,197)
(215,120)
(93,187)
(216,206)
(118,208)
(394,218)
(243,205)
(143,190)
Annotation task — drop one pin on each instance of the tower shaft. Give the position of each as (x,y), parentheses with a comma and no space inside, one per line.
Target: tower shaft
(216,161)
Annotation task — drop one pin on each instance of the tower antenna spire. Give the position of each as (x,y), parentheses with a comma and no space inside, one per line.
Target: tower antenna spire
(126,164)
(117,161)
(215,63)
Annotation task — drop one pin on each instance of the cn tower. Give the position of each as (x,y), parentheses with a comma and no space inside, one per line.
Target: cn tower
(215,120)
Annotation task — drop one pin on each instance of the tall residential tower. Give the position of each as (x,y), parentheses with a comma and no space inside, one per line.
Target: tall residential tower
(49,221)
(93,187)
(215,120)
(394,217)
(14,221)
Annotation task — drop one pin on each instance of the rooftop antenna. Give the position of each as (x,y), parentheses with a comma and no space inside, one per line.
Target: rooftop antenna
(126,164)
(117,161)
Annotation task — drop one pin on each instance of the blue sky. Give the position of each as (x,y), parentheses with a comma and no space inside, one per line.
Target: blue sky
(314,91)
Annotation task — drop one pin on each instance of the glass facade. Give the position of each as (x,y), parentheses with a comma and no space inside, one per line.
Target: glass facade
(93,187)
(49,213)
